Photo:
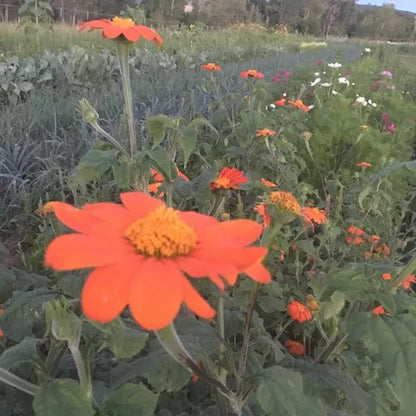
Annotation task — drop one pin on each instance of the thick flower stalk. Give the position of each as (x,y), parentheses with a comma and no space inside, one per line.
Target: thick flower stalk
(145,255)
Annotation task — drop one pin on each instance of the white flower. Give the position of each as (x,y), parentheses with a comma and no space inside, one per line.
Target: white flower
(326,84)
(334,65)
(335,92)
(270,107)
(188,8)
(317,81)
(367,50)
(311,106)
(316,74)
(343,80)
(361,100)
(352,83)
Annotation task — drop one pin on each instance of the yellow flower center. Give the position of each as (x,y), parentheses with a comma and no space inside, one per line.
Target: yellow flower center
(222,182)
(285,201)
(162,234)
(123,22)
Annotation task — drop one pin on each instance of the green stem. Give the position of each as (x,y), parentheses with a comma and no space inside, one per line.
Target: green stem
(123,59)
(15,381)
(110,138)
(83,376)
(221,326)
(170,341)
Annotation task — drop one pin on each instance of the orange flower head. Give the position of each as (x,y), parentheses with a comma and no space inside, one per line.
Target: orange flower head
(280,102)
(261,209)
(294,347)
(379,310)
(355,235)
(373,239)
(364,165)
(229,178)
(384,250)
(153,188)
(145,255)
(211,67)
(298,311)
(386,276)
(267,183)
(265,133)
(251,73)
(156,175)
(284,201)
(408,281)
(124,28)
(313,215)
(300,105)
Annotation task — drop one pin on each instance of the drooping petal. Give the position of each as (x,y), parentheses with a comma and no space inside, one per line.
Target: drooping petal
(258,273)
(139,204)
(156,293)
(240,232)
(131,34)
(94,24)
(112,32)
(76,251)
(105,293)
(196,303)
(148,34)
(240,257)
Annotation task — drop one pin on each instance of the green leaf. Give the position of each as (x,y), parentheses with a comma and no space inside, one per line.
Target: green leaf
(94,164)
(71,285)
(24,352)
(63,397)
(391,343)
(334,306)
(124,342)
(162,163)
(280,393)
(24,311)
(131,399)
(7,282)
(157,126)
(187,141)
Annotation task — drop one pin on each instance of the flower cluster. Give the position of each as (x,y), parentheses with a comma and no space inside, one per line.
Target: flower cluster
(388,125)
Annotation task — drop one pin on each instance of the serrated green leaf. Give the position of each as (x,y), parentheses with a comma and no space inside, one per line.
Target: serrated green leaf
(280,393)
(63,397)
(24,352)
(131,399)
(157,125)
(24,311)
(7,283)
(187,141)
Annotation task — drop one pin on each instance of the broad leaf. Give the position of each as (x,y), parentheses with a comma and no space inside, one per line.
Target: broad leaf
(7,283)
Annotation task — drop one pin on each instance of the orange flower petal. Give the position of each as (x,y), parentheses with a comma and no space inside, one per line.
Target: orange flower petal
(76,251)
(197,221)
(258,273)
(148,34)
(241,232)
(112,32)
(104,297)
(196,303)
(156,293)
(139,204)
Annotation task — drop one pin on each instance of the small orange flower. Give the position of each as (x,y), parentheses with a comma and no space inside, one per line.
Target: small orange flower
(229,178)
(364,165)
(265,133)
(313,215)
(285,201)
(280,102)
(145,254)
(386,276)
(156,175)
(294,347)
(251,73)
(298,311)
(267,183)
(282,256)
(46,209)
(373,239)
(355,235)
(261,209)
(379,310)
(125,28)
(300,105)
(408,281)
(153,188)
(384,250)
(211,67)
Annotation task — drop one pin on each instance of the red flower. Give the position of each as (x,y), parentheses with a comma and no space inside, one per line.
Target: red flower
(408,281)
(267,183)
(379,310)
(313,215)
(261,209)
(294,347)
(355,235)
(229,178)
(144,255)
(122,27)
(211,67)
(298,311)
(300,105)
(386,276)
(251,73)
(265,133)
(383,250)
(364,165)
(280,102)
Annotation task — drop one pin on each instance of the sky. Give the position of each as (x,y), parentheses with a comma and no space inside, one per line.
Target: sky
(409,5)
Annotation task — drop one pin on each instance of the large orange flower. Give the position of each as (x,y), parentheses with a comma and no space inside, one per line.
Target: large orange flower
(285,201)
(145,254)
(122,27)
(229,178)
